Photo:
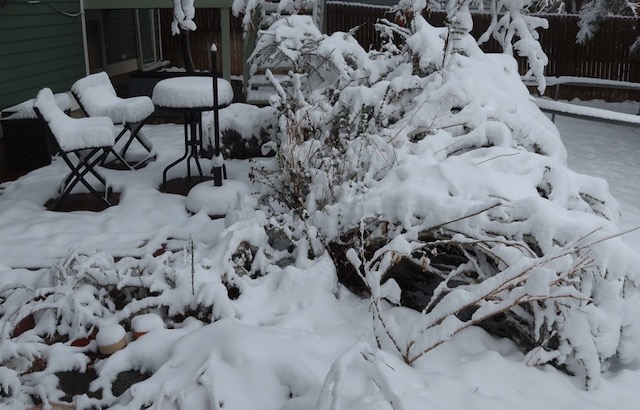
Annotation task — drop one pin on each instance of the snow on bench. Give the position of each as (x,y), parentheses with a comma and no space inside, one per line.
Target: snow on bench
(592,82)
(588,113)
(586,82)
(579,111)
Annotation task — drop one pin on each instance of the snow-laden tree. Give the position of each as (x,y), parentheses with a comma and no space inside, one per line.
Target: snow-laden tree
(594,11)
(432,155)
(183,13)
(182,23)
(511,26)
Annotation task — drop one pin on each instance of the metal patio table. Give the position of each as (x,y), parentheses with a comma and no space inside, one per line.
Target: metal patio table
(191,96)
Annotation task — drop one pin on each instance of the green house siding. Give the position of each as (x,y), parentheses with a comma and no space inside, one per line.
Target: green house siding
(40,47)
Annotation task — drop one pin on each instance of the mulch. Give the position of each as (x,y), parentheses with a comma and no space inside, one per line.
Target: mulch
(182,186)
(89,202)
(83,202)
(74,383)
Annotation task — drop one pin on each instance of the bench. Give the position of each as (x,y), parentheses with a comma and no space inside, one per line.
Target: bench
(588,113)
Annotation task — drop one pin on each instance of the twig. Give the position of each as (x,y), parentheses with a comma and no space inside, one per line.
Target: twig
(498,156)
(464,217)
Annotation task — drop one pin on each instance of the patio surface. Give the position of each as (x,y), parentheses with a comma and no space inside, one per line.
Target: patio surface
(86,201)
(143,221)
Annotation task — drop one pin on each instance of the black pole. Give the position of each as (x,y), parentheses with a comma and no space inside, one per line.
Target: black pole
(216,170)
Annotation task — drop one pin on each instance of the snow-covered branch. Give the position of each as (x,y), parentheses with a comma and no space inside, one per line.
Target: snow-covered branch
(183,13)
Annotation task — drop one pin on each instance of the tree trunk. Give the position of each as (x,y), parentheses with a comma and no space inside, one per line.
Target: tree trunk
(186,51)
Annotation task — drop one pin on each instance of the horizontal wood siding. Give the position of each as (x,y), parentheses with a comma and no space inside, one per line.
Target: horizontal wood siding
(39,47)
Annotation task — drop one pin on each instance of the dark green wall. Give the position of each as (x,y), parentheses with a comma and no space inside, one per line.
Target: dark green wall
(39,47)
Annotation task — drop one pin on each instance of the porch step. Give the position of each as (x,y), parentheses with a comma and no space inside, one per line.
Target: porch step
(271,13)
(271,6)
(260,88)
(260,97)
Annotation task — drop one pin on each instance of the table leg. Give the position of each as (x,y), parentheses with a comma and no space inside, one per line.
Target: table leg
(186,153)
(195,142)
(192,146)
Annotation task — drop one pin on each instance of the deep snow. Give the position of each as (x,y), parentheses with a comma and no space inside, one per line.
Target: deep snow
(611,152)
(291,331)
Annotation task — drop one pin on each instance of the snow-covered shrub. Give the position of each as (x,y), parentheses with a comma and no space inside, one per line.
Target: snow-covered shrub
(239,137)
(75,299)
(255,13)
(438,155)
(511,26)
(188,285)
(420,155)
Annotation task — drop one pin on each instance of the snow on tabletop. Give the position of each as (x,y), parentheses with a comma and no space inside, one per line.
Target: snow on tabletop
(74,133)
(24,110)
(110,334)
(98,98)
(191,92)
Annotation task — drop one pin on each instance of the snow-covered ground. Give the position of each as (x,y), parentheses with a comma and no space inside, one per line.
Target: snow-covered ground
(292,330)
(32,237)
(611,152)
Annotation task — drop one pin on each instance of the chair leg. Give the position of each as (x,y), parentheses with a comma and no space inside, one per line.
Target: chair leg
(119,157)
(134,134)
(134,129)
(76,174)
(86,165)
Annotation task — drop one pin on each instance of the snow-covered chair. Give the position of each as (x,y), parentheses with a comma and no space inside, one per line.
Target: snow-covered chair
(97,98)
(89,139)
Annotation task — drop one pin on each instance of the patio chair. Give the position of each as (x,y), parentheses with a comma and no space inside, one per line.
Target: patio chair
(89,139)
(97,98)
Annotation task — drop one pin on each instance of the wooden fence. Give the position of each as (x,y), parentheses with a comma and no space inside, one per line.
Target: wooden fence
(208,23)
(606,56)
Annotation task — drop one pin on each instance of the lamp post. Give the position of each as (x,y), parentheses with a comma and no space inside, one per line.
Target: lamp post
(211,196)
(217,167)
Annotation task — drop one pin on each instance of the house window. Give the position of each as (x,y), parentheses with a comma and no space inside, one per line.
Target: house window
(123,41)
(148,31)
(120,38)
